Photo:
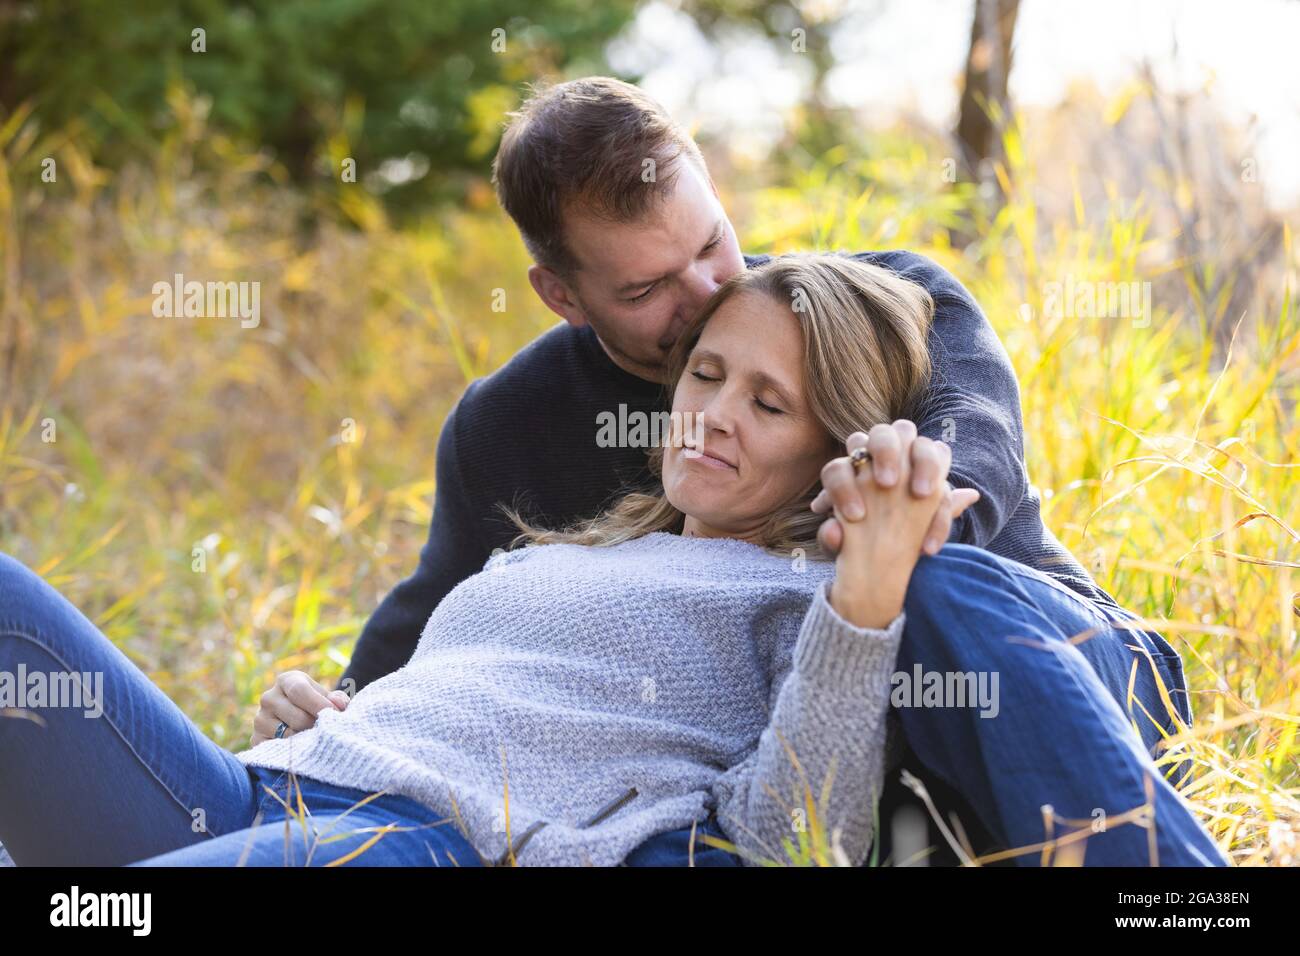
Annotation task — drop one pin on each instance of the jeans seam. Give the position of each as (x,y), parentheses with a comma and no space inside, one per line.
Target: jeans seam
(1111,745)
(1007,566)
(11,632)
(1162,840)
(262,795)
(1169,658)
(1027,572)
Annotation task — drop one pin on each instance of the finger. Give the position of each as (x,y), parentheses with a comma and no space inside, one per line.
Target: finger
(885,455)
(963,498)
(855,441)
(905,429)
(831,536)
(339,698)
(945,451)
(278,707)
(305,693)
(265,726)
(940,526)
(317,685)
(822,503)
(314,683)
(929,467)
(838,481)
(297,676)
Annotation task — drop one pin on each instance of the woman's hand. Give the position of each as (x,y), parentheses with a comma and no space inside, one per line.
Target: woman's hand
(879,550)
(296,700)
(891,444)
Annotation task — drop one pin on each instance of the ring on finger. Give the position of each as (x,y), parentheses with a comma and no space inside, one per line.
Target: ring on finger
(859,457)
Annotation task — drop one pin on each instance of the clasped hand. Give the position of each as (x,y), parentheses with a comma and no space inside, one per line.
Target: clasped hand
(883,515)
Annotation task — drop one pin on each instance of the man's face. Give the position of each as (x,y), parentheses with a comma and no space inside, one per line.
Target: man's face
(640,283)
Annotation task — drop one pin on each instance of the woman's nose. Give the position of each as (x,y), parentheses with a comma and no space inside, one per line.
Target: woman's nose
(717,413)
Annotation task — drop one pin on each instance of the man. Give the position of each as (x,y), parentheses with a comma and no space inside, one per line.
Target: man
(629,237)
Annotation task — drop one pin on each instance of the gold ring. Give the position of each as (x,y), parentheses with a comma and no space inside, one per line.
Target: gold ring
(859,457)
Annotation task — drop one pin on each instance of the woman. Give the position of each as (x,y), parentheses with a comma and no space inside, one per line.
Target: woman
(621,679)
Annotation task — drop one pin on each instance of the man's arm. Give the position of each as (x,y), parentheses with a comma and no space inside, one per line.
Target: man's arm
(973,406)
(454,551)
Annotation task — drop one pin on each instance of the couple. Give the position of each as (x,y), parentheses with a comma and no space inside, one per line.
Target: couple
(695,641)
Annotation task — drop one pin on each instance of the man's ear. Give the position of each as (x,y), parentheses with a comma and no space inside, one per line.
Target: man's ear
(555,292)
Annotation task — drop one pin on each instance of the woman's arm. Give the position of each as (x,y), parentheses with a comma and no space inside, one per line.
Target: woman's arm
(822,753)
(821,757)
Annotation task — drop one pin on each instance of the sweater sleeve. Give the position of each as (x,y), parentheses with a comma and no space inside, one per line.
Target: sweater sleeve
(453,552)
(829,713)
(973,405)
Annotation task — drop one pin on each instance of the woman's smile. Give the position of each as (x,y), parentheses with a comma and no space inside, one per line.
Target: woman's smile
(710,461)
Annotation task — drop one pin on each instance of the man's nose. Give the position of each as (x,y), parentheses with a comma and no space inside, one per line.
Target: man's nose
(700,284)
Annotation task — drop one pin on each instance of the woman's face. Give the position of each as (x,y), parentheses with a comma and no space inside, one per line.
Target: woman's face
(741,401)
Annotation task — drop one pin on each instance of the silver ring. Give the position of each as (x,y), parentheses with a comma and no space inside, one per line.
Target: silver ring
(279,731)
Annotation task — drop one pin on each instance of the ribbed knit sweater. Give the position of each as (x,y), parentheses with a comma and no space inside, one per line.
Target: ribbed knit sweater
(671,671)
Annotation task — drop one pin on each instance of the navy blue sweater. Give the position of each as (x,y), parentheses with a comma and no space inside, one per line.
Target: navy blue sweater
(526,435)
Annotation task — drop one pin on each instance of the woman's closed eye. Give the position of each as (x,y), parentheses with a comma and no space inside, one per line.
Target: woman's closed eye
(770,409)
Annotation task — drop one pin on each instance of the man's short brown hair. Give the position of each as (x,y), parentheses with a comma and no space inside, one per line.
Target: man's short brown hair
(585,141)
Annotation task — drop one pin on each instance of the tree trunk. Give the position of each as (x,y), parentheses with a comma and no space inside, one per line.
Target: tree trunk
(984,94)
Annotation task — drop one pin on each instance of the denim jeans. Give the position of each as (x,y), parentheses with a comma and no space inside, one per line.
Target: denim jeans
(128,779)
(1067,732)
(139,783)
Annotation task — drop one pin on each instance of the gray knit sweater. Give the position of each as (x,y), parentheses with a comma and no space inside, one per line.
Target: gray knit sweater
(671,671)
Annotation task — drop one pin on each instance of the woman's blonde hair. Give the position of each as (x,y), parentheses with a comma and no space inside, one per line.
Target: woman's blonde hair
(866,361)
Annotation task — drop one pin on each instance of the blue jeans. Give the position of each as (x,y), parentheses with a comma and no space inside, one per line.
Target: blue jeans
(116,774)
(139,782)
(1066,732)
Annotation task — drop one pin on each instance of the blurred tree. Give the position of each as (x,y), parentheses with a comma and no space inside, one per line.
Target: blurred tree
(984,93)
(432,78)
(801,27)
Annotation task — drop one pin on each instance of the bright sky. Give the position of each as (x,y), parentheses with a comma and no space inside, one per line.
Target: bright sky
(910,54)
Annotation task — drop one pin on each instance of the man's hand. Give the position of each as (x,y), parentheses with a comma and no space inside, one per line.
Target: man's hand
(895,449)
(296,700)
